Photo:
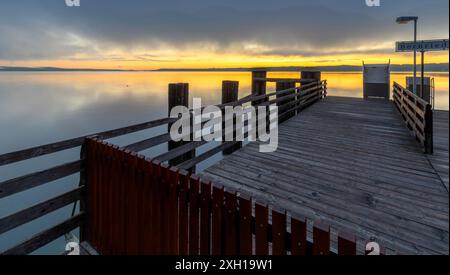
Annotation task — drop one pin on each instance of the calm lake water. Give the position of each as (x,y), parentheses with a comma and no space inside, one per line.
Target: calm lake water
(45,107)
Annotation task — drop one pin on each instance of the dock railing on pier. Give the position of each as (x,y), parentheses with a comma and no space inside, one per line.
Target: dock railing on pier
(417,115)
(123,196)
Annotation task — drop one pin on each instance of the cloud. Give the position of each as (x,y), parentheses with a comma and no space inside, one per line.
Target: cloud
(48,29)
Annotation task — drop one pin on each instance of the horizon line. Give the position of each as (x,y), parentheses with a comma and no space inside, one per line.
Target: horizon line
(276,68)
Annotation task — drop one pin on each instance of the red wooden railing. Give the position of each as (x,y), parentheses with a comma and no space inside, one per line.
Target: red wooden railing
(142,206)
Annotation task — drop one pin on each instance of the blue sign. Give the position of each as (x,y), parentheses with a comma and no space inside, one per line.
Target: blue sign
(425,45)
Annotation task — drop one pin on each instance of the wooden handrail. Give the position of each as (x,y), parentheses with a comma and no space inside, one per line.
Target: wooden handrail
(46,149)
(24,216)
(76,142)
(45,237)
(296,80)
(417,115)
(17,185)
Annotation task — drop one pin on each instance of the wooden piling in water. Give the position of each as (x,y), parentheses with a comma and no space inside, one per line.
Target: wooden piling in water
(230,92)
(283,104)
(258,86)
(179,96)
(316,75)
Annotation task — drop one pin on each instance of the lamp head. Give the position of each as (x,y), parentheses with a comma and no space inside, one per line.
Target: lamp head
(406,19)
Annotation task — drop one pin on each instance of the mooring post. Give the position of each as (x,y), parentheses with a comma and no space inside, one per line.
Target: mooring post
(314,76)
(259,87)
(283,105)
(230,91)
(179,96)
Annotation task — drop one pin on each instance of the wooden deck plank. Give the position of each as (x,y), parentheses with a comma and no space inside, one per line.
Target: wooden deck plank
(439,160)
(351,163)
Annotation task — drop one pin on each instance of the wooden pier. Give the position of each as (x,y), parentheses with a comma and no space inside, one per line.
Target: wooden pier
(350,163)
(347,172)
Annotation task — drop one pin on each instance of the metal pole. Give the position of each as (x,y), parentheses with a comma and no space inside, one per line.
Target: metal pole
(422,75)
(415,57)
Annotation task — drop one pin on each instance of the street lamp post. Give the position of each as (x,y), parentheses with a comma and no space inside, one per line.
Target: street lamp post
(405,20)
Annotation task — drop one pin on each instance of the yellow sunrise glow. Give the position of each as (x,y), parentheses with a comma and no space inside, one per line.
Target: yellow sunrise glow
(208,56)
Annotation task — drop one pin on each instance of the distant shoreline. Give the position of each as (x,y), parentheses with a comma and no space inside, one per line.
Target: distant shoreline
(441,67)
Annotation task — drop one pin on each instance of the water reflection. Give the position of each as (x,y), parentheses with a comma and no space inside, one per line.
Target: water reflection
(40,108)
(350,84)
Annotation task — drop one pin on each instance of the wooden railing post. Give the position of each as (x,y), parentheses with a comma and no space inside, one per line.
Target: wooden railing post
(259,86)
(429,143)
(316,75)
(179,96)
(284,104)
(313,76)
(230,92)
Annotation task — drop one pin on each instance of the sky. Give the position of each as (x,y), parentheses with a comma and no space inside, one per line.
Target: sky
(152,34)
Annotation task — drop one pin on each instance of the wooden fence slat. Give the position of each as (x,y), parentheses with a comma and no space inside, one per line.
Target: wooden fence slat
(112,199)
(87,231)
(121,201)
(230,223)
(92,214)
(115,200)
(165,208)
(321,239)
(183,212)
(132,213)
(245,226)
(106,189)
(141,211)
(278,232)
(261,222)
(217,211)
(298,236)
(205,218)
(156,207)
(194,215)
(346,244)
(173,211)
(99,198)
